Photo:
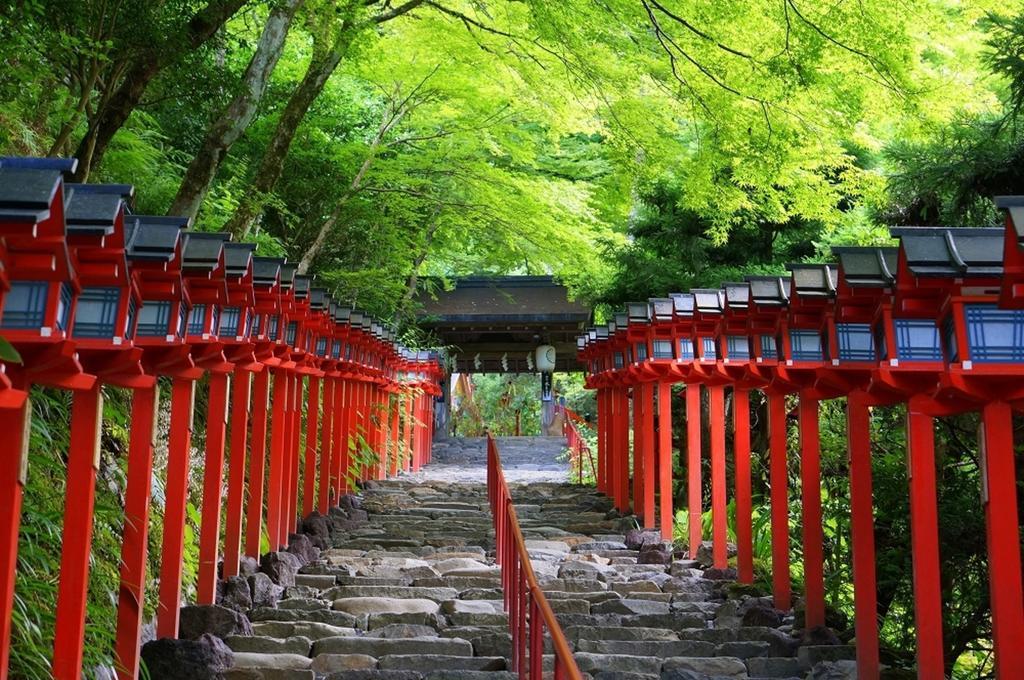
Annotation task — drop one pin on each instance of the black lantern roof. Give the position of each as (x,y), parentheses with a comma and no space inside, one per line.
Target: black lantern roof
(867,266)
(26,193)
(708,300)
(639,312)
(125,191)
(940,251)
(151,237)
(318,299)
(662,308)
(90,214)
(301,286)
(612,327)
(1014,205)
(355,319)
(737,295)
(265,270)
(64,166)
(769,290)
(815,280)
(602,332)
(288,270)
(342,314)
(621,319)
(684,303)
(237,257)
(203,249)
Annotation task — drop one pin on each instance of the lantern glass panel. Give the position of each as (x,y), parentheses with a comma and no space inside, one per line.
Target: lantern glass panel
(64,306)
(769,347)
(994,335)
(25,306)
(949,339)
(880,345)
(273,327)
(96,314)
(618,360)
(917,340)
(856,342)
(290,332)
(805,345)
(685,349)
(641,351)
(707,349)
(348,352)
(256,324)
(197,320)
(154,317)
(738,347)
(129,324)
(215,320)
(662,349)
(247,331)
(321,347)
(336,350)
(229,321)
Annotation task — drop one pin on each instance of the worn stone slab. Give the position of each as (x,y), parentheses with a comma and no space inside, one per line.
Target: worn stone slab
(359,606)
(380,647)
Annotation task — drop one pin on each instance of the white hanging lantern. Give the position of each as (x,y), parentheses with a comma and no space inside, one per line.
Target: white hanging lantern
(545,357)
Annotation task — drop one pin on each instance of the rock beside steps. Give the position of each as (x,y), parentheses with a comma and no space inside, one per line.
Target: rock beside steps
(405,588)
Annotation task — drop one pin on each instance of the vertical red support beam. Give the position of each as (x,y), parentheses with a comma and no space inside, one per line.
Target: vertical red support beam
(407,432)
(647,425)
(862,535)
(719,537)
(14,421)
(312,413)
(602,449)
(257,463)
(622,449)
(924,537)
(382,432)
(135,537)
(693,488)
(345,395)
(395,432)
(240,397)
(326,447)
(810,499)
(275,476)
(744,505)
(665,459)
(213,481)
(638,451)
(294,468)
(83,461)
(779,480)
(999,476)
(178,445)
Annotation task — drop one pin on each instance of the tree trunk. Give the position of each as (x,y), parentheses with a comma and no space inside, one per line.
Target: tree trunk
(237,116)
(417,263)
(272,163)
(109,118)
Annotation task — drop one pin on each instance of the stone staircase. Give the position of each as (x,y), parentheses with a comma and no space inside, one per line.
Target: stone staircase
(405,588)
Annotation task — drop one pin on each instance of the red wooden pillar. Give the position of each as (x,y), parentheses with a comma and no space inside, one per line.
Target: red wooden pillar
(779,480)
(638,451)
(395,432)
(665,459)
(693,466)
(240,398)
(135,537)
(611,411)
(744,505)
(862,534)
(407,432)
(999,477)
(622,449)
(213,480)
(326,480)
(381,431)
(257,463)
(924,536)
(312,413)
(342,444)
(810,499)
(80,499)
(294,467)
(602,447)
(275,476)
(178,445)
(14,420)
(719,536)
(647,404)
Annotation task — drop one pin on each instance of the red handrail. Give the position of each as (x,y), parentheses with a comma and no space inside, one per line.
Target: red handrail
(577,444)
(524,599)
